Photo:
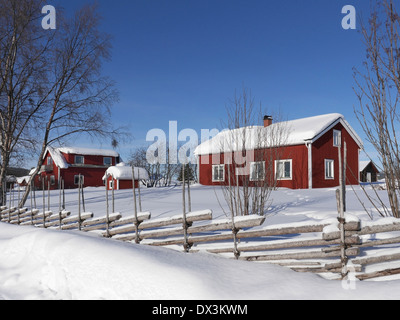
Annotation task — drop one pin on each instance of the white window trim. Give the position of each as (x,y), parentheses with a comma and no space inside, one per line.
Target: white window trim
(339,133)
(104,161)
(291,169)
(223,174)
(252,165)
(328,161)
(83,159)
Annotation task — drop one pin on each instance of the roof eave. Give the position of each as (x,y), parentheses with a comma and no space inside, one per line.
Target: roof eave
(346,125)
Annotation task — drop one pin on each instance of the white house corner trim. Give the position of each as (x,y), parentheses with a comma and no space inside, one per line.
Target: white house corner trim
(310,182)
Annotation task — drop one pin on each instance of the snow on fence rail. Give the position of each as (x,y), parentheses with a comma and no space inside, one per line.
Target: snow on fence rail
(372,248)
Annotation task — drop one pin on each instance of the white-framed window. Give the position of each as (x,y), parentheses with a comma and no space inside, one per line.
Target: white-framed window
(283,169)
(76,180)
(107,161)
(257,171)
(337,138)
(218,173)
(49,161)
(111,184)
(79,160)
(52,180)
(329,169)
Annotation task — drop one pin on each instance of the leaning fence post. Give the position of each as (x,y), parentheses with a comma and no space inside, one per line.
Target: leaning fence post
(137,239)
(59,201)
(185,225)
(48,195)
(235,240)
(107,209)
(34,200)
(44,203)
(189,196)
(79,204)
(18,208)
(31,194)
(10,205)
(341,219)
(113,194)
(139,195)
(19,211)
(83,199)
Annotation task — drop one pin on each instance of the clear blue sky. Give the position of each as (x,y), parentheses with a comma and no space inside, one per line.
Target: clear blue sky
(183,59)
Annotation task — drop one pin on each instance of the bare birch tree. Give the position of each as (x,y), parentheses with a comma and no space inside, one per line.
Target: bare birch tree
(23,85)
(70,95)
(250,152)
(378,91)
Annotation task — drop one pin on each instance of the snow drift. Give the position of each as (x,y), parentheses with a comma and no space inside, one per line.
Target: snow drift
(50,264)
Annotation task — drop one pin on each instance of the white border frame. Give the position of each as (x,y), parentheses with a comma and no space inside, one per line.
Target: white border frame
(251,166)
(79,164)
(291,169)
(339,133)
(212,172)
(333,169)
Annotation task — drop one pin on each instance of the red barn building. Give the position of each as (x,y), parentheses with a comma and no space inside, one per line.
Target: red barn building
(299,154)
(72,163)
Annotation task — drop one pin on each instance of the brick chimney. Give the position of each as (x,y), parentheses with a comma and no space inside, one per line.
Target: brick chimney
(267,121)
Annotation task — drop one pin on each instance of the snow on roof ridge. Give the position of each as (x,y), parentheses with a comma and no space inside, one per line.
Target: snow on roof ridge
(58,158)
(88,151)
(364,164)
(61,162)
(125,173)
(299,132)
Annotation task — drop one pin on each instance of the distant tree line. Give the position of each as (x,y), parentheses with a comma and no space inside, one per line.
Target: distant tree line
(161,174)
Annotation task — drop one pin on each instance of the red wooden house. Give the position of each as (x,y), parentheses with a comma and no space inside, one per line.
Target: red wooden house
(299,154)
(72,163)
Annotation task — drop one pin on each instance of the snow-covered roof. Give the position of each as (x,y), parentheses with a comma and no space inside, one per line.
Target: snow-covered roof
(25,179)
(59,159)
(125,173)
(287,133)
(89,152)
(364,164)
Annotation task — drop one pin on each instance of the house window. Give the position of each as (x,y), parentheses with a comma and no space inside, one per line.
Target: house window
(49,161)
(329,169)
(52,180)
(107,161)
(111,184)
(218,173)
(257,171)
(337,138)
(79,160)
(76,180)
(283,169)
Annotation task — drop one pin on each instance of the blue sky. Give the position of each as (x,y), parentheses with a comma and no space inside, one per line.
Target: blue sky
(181,60)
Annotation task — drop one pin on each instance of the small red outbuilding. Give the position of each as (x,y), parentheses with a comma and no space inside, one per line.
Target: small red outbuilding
(120,177)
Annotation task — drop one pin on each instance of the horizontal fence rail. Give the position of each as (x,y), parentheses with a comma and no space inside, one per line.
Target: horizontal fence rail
(372,248)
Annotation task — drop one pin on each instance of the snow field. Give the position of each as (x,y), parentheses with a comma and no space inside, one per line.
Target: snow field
(42,264)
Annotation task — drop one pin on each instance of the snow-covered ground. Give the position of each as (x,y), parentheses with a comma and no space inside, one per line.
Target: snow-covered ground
(52,264)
